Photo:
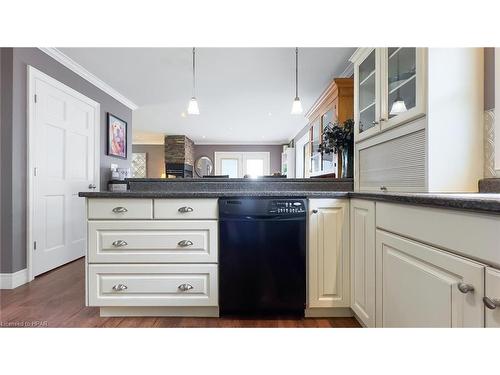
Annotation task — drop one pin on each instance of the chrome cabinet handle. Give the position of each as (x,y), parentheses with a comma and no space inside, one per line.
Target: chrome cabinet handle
(185,287)
(119,243)
(185,209)
(118,210)
(185,243)
(491,303)
(119,287)
(314,211)
(92,186)
(465,288)
(383,188)
(374,122)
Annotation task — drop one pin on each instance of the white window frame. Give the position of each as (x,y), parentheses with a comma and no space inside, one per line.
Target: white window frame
(497,111)
(242,157)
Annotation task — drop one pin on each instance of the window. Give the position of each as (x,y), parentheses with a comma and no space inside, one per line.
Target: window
(240,164)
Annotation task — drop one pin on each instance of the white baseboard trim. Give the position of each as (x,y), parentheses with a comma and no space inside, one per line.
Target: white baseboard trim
(110,311)
(329,312)
(13,280)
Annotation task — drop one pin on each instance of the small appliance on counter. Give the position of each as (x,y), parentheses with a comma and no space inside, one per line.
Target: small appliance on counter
(118,176)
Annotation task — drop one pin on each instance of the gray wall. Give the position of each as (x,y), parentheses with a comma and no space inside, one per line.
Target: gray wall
(15,126)
(274,150)
(489,78)
(155,158)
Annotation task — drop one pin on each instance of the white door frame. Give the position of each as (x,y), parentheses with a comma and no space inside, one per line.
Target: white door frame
(299,155)
(33,75)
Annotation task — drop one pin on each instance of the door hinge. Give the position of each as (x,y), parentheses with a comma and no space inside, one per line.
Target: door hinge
(36,98)
(34,245)
(35,171)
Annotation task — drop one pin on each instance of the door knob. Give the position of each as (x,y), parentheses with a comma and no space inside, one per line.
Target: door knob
(314,211)
(92,186)
(465,288)
(491,303)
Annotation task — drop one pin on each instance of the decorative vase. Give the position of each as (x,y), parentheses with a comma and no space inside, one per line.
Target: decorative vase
(347,162)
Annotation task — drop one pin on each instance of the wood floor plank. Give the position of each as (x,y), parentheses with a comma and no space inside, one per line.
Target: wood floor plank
(57,299)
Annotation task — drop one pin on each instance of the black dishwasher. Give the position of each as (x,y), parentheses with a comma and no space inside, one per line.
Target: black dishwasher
(262,257)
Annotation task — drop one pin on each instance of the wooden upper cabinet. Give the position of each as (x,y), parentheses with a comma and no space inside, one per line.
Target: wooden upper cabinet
(334,104)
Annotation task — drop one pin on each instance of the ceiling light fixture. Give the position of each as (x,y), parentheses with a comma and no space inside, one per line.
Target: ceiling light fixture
(193,108)
(297,105)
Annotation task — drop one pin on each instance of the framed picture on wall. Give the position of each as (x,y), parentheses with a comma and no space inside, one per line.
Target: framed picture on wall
(117,137)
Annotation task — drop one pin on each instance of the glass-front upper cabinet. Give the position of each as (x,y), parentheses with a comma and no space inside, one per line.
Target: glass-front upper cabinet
(389,88)
(402,85)
(366,82)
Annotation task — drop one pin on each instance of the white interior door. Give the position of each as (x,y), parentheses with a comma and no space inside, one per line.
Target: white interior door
(63,161)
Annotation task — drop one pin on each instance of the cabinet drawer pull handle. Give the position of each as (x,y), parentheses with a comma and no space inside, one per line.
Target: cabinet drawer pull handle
(119,243)
(119,287)
(374,122)
(491,303)
(465,288)
(383,188)
(314,211)
(119,210)
(185,209)
(185,243)
(185,287)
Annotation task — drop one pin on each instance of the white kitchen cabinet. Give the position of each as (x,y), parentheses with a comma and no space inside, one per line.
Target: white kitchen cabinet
(328,268)
(363,260)
(426,100)
(420,286)
(492,298)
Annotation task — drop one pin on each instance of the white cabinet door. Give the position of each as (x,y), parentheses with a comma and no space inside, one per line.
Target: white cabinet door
(403,85)
(328,253)
(363,260)
(367,93)
(492,298)
(419,286)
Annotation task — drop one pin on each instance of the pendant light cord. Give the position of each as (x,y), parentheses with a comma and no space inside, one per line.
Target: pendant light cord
(296,72)
(194,74)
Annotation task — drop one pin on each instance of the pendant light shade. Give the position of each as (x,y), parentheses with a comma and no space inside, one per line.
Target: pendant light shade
(398,106)
(296,105)
(193,108)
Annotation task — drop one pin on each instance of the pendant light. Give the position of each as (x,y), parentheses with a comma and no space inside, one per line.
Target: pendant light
(193,108)
(398,106)
(297,105)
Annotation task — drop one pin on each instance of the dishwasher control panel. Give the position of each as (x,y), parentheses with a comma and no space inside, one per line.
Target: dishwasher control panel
(287,206)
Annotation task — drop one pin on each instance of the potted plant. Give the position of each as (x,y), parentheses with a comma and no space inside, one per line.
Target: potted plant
(339,138)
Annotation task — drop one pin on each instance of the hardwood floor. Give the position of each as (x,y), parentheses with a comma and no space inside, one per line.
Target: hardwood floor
(56,299)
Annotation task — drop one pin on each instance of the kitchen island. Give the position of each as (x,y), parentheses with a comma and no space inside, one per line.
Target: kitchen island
(369,253)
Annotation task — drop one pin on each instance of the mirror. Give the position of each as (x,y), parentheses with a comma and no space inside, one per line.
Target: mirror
(204,166)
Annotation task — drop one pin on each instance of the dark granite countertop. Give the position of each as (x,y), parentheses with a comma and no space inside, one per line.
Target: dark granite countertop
(486,203)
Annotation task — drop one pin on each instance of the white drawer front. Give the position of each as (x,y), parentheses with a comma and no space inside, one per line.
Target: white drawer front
(187,241)
(106,208)
(186,209)
(153,285)
(473,235)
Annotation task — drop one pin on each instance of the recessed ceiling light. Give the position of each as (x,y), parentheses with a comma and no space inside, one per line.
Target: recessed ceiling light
(183,114)
(203,136)
(269,114)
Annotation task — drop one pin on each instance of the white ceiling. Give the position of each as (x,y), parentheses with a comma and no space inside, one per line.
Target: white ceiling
(245,94)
